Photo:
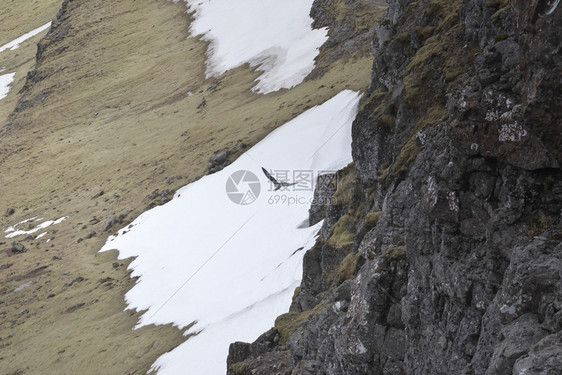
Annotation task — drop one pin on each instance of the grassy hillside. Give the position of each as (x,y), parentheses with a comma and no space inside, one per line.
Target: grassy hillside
(125,109)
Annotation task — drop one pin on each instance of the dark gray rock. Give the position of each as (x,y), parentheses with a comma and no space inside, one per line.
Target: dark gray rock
(18,248)
(237,352)
(544,358)
(79,279)
(217,162)
(325,188)
(98,194)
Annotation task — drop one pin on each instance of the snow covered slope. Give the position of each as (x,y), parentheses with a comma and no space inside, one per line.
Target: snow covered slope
(232,268)
(274,35)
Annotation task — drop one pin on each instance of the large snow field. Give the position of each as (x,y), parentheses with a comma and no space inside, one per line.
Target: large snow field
(275,35)
(232,269)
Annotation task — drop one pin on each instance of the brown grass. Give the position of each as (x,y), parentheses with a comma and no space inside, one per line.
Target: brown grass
(117,118)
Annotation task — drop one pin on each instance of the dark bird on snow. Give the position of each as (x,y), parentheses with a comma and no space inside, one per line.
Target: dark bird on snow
(278,185)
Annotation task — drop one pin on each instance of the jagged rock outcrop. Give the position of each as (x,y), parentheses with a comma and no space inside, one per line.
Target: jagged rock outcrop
(59,28)
(350,30)
(441,252)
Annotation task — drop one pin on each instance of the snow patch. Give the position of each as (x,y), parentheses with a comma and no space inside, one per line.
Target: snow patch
(16,42)
(5,81)
(13,232)
(232,269)
(13,227)
(275,36)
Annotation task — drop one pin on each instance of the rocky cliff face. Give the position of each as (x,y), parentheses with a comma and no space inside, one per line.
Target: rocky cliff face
(442,254)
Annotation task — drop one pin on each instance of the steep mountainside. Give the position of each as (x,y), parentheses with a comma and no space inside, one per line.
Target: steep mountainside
(106,118)
(442,253)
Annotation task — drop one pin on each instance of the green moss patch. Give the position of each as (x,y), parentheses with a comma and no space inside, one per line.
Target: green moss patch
(346,183)
(389,121)
(347,269)
(425,31)
(240,368)
(538,224)
(497,3)
(499,13)
(433,47)
(287,324)
(372,218)
(394,252)
(341,233)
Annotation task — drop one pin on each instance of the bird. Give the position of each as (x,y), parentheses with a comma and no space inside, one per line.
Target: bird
(278,185)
